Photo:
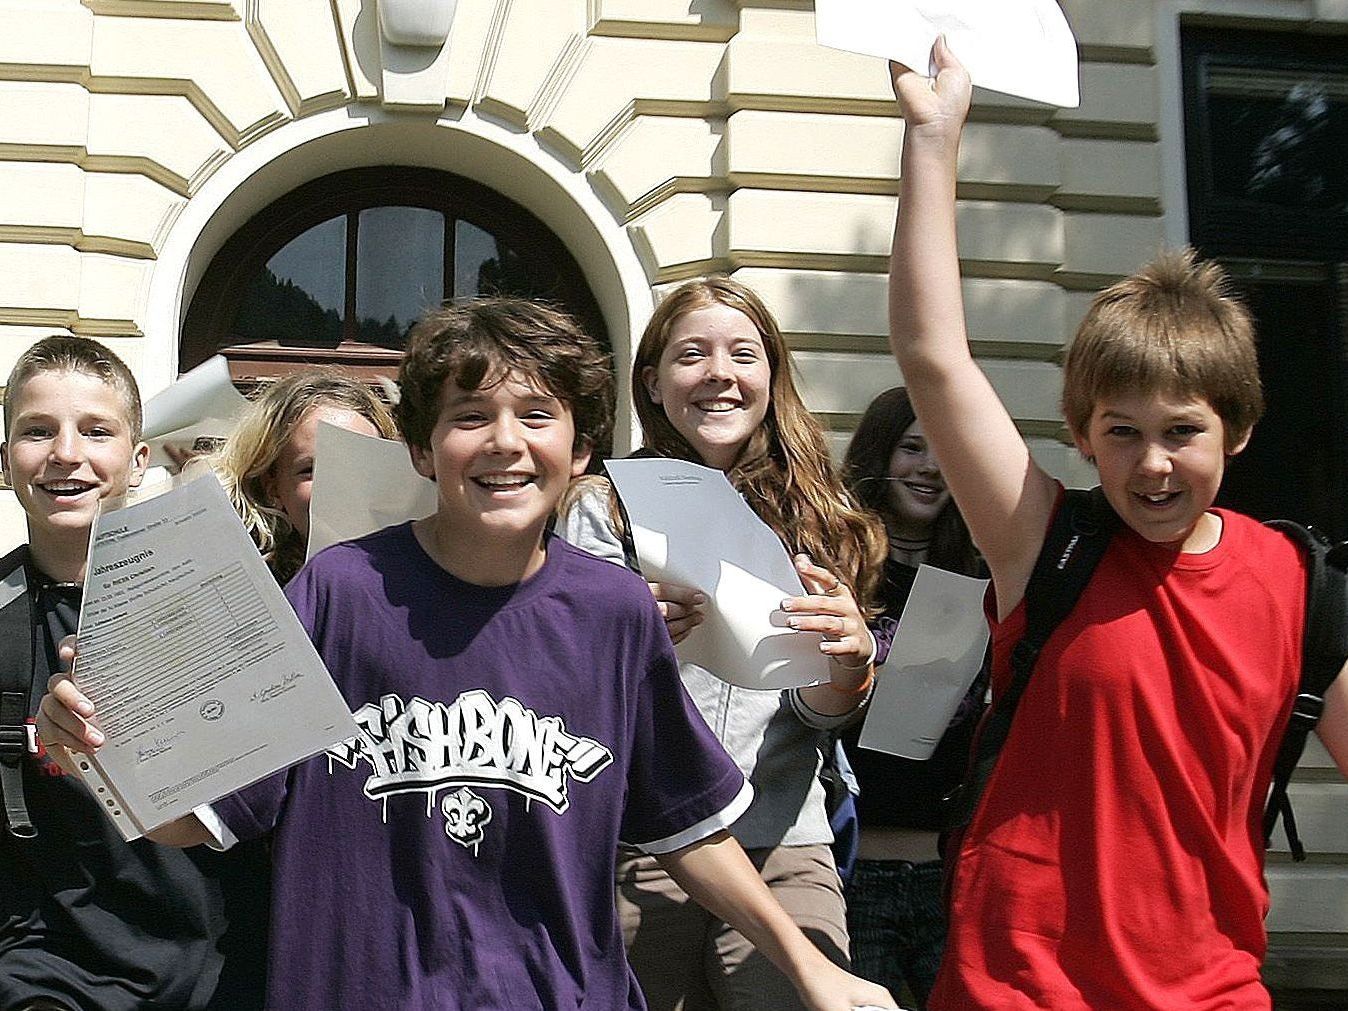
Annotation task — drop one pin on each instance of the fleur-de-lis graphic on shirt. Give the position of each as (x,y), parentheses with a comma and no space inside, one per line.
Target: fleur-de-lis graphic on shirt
(466,816)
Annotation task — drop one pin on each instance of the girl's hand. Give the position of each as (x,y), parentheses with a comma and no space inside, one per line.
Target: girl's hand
(681,607)
(65,715)
(832,611)
(938,104)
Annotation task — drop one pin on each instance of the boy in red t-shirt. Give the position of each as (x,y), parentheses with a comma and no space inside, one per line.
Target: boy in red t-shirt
(1116,858)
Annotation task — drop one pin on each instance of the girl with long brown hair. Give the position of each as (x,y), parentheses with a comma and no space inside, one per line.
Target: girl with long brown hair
(712,384)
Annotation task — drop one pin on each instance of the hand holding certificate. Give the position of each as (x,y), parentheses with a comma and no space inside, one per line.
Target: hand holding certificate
(1019,47)
(201,677)
(936,654)
(734,559)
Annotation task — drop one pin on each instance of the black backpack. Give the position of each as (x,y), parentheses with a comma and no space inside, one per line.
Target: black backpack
(1073,545)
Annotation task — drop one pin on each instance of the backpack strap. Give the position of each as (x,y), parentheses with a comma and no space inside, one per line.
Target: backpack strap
(1074,543)
(1324,649)
(16,685)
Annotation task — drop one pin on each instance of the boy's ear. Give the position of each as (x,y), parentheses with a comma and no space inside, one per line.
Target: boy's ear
(4,459)
(140,460)
(650,375)
(1241,443)
(422,461)
(580,457)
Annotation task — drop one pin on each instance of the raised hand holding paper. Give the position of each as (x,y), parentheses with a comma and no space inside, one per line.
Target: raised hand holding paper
(1018,47)
(202,404)
(362,484)
(691,527)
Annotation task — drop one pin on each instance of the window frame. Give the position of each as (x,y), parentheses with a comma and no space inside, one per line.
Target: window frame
(207,325)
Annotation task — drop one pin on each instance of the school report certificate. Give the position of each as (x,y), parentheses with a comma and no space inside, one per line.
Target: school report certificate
(201,676)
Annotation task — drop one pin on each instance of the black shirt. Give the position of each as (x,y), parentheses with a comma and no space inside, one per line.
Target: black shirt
(899,792)
(97,922)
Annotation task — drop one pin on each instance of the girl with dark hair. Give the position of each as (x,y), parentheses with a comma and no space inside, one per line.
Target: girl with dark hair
(894,910)
(712,384)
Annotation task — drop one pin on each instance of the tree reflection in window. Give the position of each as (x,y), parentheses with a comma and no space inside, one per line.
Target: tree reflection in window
(1266,127)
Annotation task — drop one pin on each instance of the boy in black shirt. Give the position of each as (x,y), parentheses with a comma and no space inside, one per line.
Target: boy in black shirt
(87,921)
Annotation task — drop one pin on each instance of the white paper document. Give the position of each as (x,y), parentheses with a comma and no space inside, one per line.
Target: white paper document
(200,408)
(362,484)
(691,527)
(202,678)
(1018,47)
(937,652)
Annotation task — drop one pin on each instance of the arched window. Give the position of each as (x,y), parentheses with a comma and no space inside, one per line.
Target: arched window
(337,270)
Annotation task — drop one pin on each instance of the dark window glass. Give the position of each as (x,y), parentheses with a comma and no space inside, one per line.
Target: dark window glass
(1280,139)
(1266,126)
(400,270)
(297,297)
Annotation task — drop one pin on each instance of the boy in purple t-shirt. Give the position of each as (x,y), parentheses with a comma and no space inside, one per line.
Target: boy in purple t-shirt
(520,711)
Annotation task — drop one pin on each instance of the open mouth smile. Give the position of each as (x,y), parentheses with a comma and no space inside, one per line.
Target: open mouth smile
(506,482)
(1157,499)
(66,488)
(720,405)
(924,491)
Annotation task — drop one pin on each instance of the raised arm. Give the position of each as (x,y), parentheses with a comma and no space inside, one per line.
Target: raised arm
(1004,496)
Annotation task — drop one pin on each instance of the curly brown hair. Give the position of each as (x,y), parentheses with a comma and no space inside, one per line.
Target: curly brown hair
(476,344)
(784,470)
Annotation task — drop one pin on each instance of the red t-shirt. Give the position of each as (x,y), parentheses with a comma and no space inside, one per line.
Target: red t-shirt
(1116,860)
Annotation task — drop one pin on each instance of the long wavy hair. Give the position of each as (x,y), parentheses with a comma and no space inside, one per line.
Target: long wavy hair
(866,465)
(784,470)
(246,461)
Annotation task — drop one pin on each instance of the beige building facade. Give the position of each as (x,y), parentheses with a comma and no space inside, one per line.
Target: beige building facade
(655,140)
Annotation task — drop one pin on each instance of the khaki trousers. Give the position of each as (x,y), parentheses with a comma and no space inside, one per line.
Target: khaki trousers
(688,960)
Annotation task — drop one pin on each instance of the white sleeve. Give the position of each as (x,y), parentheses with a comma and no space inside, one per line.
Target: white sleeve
(722,819)
(588,525)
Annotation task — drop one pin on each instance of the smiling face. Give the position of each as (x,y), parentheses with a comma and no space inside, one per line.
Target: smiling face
(69,446)
(290,482)
(501,458)
(917,492)
(713,381)
(1161,459)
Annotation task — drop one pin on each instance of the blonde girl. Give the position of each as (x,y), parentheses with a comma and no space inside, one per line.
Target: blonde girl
(267,464)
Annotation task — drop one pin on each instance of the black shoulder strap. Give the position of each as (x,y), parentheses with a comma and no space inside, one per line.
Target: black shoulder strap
(629,545)
(1324,650)
(16,684)
(1074,543)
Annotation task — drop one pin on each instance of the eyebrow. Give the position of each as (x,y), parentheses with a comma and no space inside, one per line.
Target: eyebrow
(1186,415)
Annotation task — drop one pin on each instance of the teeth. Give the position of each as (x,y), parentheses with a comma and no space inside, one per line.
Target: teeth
(504,480)
(717,406)
(66,487)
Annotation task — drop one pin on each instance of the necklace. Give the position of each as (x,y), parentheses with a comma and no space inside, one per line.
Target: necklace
(908,550)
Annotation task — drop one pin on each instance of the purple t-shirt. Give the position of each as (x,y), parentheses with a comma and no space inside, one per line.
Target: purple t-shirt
(458,852)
